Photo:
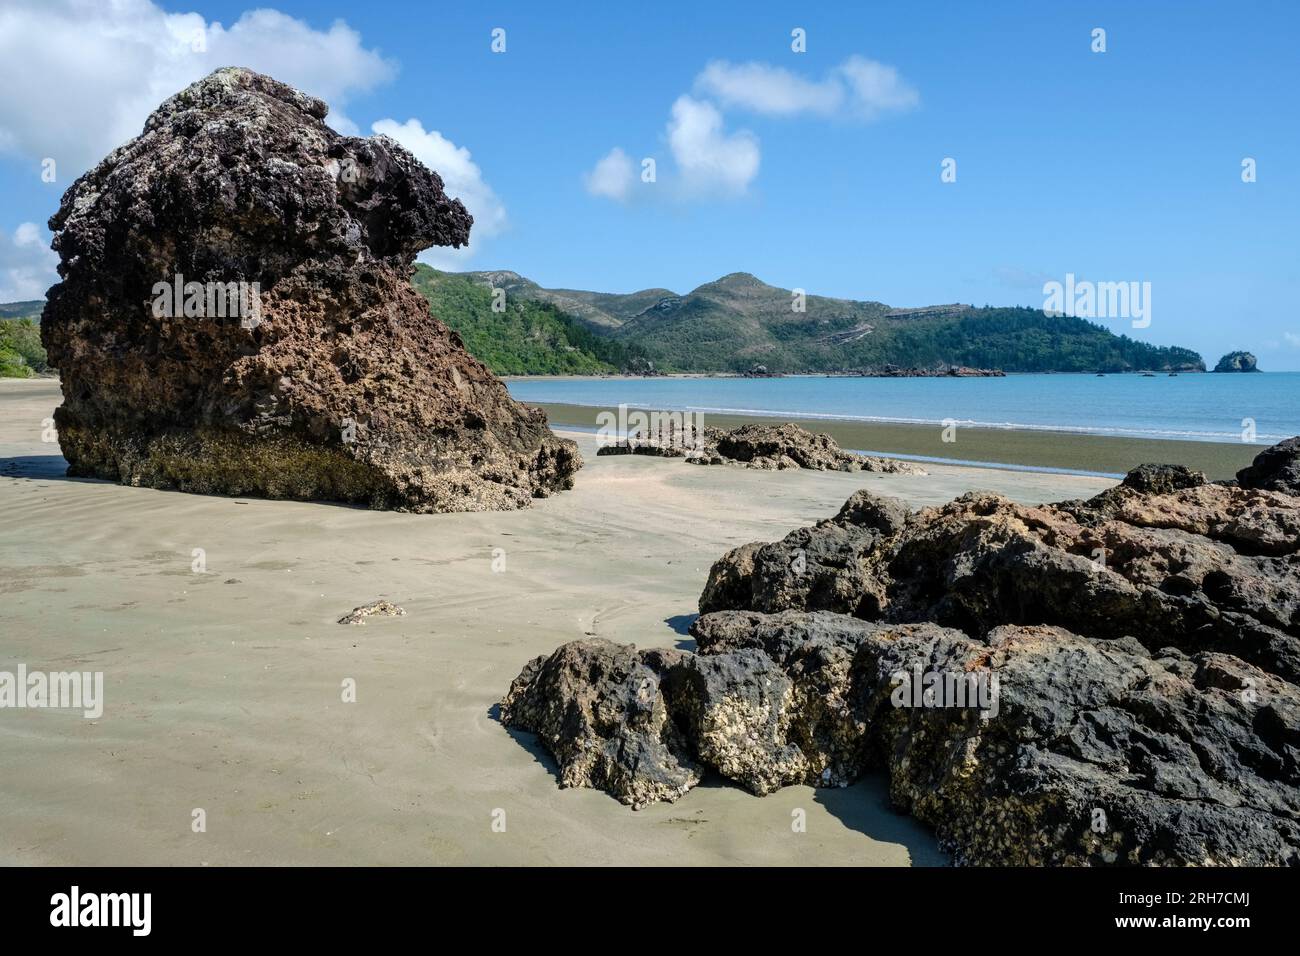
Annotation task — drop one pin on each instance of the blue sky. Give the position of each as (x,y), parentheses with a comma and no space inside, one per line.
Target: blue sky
(1115,166)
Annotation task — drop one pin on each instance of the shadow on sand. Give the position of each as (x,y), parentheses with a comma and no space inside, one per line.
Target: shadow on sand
(681,624)
(36,466)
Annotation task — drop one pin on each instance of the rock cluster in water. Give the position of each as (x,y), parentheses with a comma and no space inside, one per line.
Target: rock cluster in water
(236,317)
(1110,681)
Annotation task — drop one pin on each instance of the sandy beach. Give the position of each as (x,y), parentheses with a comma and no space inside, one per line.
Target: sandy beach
(223,688)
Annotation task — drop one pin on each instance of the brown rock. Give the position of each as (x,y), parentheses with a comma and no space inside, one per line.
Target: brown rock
(324,376)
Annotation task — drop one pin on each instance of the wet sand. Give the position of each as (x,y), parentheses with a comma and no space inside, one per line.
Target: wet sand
(1033,449)
(224,688)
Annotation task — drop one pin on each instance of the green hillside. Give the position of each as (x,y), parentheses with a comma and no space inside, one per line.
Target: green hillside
(530,337)
(737,322)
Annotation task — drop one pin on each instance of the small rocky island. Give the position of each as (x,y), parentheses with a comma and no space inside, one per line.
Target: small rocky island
(293,358)
(1237,362)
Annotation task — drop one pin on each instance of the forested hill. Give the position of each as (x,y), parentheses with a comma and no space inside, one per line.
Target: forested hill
(529,337)
(737,322)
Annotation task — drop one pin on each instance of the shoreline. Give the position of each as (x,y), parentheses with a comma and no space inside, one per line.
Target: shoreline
(1034,450)
(1044,451)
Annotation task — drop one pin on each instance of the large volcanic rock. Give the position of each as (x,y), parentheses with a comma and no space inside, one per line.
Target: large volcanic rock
(333,381)
(1138,657)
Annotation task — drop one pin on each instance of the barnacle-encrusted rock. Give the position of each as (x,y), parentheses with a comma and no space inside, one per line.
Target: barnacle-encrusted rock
(297,361)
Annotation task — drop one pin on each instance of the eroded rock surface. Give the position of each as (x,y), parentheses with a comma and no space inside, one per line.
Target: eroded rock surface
(1091,752)
(777,447)
(1135,657)
(1205,567)
(325,377)
(598,708)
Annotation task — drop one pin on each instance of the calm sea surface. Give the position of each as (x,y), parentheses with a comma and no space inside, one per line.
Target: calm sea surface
(1204,407)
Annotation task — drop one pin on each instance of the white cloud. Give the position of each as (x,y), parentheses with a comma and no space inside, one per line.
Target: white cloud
(768,89)
(710,160)
(1292,338)
(612,176)
(875,88)
(79,77)
(461,177)
(857,88)
(27,264)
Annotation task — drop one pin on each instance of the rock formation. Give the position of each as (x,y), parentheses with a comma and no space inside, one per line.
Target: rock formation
(1110,681)
(768,447)
(235,317)
(1237,362)
(1274,469)
(1206,567)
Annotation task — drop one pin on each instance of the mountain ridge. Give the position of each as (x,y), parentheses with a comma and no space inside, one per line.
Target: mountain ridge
(738,321)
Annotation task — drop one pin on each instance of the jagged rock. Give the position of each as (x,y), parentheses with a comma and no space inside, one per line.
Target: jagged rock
(735,711)
(1162,479)
(768,447)
(1142,480)
(598,708)
(817,651)
(1076,752)
(823,568)
(1098,753)
(1204,567)
(779,447)
(323,376)
(1134,661)
(1275,469)
(881,513)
